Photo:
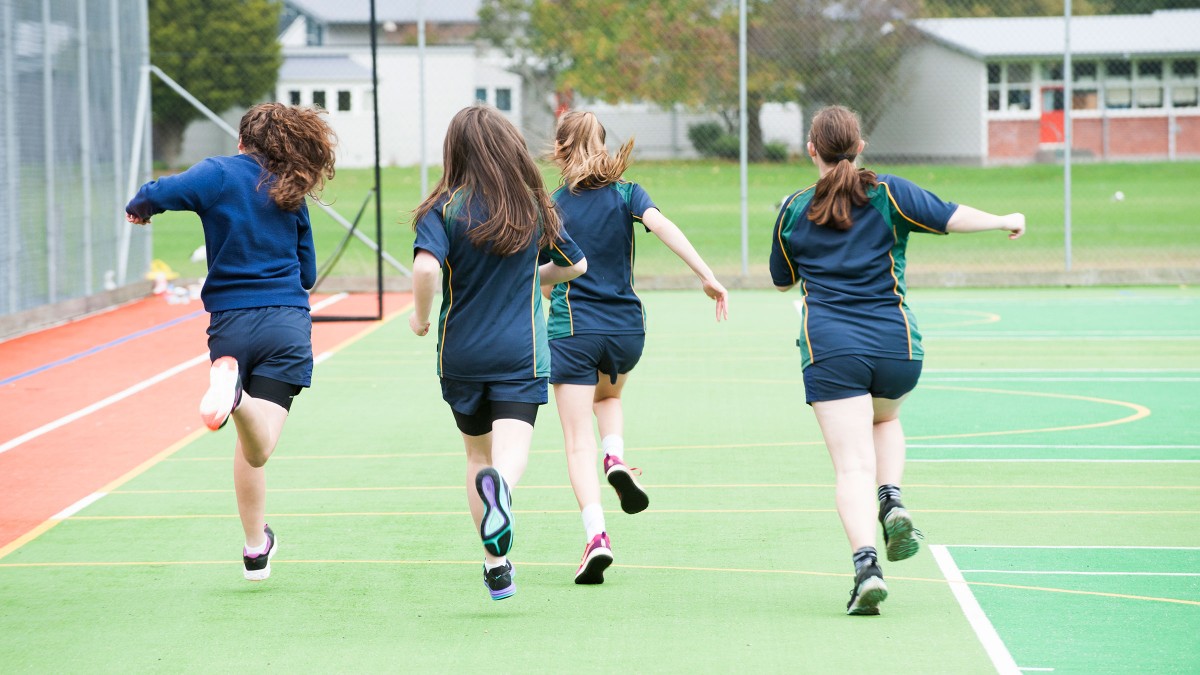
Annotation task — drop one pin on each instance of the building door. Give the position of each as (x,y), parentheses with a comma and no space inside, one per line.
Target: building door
(1052,131)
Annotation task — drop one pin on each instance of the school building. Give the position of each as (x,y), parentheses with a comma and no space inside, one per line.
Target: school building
(992,91)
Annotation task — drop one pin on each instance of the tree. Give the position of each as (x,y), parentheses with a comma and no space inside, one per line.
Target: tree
(667,51)
(224,52)
(685,51)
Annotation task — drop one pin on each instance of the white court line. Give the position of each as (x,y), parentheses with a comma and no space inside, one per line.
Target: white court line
(77,506)
(104,403)
(1114,548)
(1087,574)
(1061,370)
(1054,446)
(1062,379)
(1063,461)
(122,395)
(984,630)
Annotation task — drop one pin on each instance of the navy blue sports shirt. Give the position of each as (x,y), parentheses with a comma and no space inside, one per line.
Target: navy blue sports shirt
(853,281)
(601,221)
(491,326)
(258,254)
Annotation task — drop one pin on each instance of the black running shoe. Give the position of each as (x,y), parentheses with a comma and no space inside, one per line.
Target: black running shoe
(869,590)
(899,535)
(629,491)
(258,567)
(499,581)
(496,527)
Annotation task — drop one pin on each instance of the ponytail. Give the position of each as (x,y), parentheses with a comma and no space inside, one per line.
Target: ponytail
(580,153)
(835,137)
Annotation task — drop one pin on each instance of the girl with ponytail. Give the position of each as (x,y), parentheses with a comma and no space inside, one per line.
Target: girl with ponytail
(597,323)
(261,263)
(843,242)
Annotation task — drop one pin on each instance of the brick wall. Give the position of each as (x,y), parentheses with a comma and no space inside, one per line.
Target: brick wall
(1128,137)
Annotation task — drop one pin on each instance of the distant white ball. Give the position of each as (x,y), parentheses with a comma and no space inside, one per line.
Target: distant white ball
(1119,196)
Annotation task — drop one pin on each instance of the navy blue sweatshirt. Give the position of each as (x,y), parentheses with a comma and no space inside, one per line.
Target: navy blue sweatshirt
(258,254)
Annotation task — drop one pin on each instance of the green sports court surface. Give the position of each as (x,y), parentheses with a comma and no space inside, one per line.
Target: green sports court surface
(1054,469)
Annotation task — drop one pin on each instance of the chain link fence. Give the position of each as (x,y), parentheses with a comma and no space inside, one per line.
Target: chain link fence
(70,76)
(977,100)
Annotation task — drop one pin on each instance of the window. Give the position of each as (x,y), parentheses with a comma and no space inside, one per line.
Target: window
(1117,76)
(294,96)
(993,100)
(993,70)
(343,100)
(1052,71)
(1019,76)
(1150,70)
(318,98)
(504,99)
(481,94)
(1084,71)
(1184,85)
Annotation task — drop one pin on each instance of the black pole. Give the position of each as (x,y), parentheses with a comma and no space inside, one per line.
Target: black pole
(378,181)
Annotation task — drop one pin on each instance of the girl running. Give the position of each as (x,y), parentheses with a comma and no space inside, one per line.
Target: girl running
(597,323)
(843,241)
(483,227)
(261,262)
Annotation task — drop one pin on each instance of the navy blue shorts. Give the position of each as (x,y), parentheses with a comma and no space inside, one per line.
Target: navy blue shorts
(268,342)
(579,359)
(849,376)
(477,404)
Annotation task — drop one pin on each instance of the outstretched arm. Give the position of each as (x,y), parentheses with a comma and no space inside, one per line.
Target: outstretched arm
(424,285)
(967,219)
(673,237)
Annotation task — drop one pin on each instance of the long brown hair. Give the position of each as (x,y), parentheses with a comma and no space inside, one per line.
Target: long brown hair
(835,136)
(485,154)
(295,145)
(580,152)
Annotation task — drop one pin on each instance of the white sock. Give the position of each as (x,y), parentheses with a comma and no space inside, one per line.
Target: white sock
(593,520)
(258,550)
(489,567)
(613,445)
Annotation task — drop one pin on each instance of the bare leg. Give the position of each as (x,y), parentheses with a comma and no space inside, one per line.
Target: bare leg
(575,413)
(259,423)
(846,426)
(506,449)
(607,405)
(889,441)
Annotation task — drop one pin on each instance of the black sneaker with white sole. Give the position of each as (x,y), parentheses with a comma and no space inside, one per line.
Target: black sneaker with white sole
(258,567)
(899,535)
(869,590)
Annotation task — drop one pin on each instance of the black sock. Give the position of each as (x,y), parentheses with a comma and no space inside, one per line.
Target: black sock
(888,492)
(865,556)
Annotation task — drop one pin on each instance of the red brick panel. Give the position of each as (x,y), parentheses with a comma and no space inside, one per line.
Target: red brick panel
(1187,142)
(1013,139)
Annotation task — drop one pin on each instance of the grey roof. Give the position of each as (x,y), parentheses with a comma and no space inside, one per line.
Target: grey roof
(400,11)
(332,68)
(1164,32)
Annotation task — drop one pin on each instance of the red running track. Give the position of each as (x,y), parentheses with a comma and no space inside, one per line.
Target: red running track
(60,443)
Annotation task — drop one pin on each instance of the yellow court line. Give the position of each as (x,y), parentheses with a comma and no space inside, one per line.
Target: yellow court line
(389,514)
(714,486)
(664,568)
(42,528)
(459,453)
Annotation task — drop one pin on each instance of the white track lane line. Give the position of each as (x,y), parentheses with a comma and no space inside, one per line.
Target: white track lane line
(103,403)
(77,506)
(984,630)
(122,395)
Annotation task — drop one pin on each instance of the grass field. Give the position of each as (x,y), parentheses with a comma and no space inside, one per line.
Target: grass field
(1054,469)
(1154,227)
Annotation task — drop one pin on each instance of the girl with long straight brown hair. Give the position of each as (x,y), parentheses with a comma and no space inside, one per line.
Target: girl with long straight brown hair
(261,263)
(843,241)
(483,228)
(597,322)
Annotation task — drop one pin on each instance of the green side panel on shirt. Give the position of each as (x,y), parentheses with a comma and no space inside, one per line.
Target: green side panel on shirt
(881,202)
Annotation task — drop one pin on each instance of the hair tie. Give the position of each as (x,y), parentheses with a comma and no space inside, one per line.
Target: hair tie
(838,158)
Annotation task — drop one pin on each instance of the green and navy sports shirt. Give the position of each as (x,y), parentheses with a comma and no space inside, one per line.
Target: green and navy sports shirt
(601,221)
(853,280)
(491,327)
